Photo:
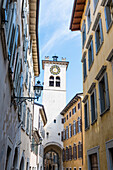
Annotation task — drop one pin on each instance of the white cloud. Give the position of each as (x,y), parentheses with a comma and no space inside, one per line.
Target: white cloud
(56,14)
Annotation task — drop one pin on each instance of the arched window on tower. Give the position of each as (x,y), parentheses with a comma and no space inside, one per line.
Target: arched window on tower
(51,81)
(57,81)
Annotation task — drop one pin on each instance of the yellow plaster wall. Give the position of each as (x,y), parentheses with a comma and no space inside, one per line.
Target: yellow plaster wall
(101,131)
(74,139)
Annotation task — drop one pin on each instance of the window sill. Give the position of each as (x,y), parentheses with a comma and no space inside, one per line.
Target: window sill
(23,128)
(109,27)
(107,109)
(91,65)
(87,128)
(99,48)
(93,122)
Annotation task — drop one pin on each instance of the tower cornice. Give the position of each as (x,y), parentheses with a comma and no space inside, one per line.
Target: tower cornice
(55,62)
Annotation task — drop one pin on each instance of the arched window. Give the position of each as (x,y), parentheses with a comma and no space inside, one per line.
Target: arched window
(51,81)
(57,81)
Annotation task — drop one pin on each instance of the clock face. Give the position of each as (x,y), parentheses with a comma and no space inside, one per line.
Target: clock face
(55,69)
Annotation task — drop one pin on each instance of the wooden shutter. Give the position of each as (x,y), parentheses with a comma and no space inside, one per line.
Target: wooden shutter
(80,124)
(88,113)
(75,152)
(107,91)
(76,127)
(101,31)
(95,98)
(62,136)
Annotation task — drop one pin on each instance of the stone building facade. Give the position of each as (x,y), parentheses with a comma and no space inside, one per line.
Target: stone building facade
(94,19)
(19,64)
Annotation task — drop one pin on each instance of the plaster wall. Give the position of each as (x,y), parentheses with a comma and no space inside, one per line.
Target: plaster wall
(101,131)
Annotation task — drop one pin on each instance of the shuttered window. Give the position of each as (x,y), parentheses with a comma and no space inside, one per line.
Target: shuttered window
(30,126)
(84,68)
(63,154)
(62,136)
(70,130)
(24,114)
(27,69)
(70,153)
(89,17)
(74,127)
(74,110)
(104,94)
(83,34)
(79,129)
(28,116)
(29,83)
(93,106)
(98,35)
(66,132)
(108,13)
(67,153)
(86,114)
(90,55)
(74,151)
(80,150)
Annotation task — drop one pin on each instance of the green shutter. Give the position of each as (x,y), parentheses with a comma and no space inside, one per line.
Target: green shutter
(107,92)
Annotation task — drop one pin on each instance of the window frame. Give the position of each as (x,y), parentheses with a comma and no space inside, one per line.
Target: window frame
(109,145)
(91,152)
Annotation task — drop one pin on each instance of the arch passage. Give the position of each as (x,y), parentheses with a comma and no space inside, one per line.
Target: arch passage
(52,158)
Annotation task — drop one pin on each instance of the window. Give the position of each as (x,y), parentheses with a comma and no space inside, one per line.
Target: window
(51,81)
(24,114)
(66,153)
(109,154)
(70,169)
(80,150)
(74,110)
(27,129)
(57,81)
(86,112)
(27,69)
(70,114)
(70,153)
(66,132)
(80,168)
(74,127)
(95,2)
(78,105)
(70,130)
(98,36)
(93,158)
(75,169)
(84,68)
(29,82)
(83,34)
(90,55)
(74,151)
(104,94)
(8,159)
(88,17)
(63,154)
(93,106)
(54,120)
(108,13)
(79,124)
(67,117)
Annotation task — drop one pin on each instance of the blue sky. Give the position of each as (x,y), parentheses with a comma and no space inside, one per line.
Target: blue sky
(55,38)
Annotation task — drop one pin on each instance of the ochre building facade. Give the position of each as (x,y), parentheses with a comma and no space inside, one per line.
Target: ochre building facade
(94,19)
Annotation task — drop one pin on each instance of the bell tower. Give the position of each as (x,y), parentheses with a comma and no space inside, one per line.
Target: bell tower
(54,92)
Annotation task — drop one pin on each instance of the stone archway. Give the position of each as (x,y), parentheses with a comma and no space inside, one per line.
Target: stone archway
(52,157)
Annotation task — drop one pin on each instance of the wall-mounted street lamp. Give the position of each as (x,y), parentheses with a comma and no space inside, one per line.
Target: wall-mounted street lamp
(15,100)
